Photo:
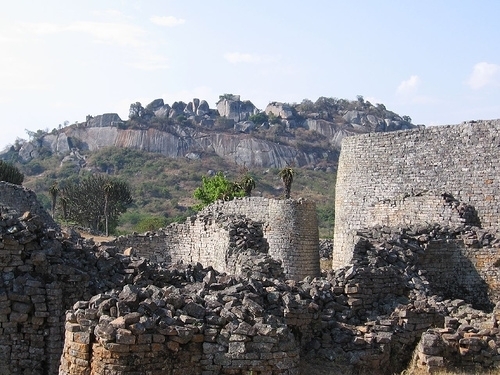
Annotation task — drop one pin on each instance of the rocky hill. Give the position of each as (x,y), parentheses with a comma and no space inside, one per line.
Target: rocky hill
(308,134)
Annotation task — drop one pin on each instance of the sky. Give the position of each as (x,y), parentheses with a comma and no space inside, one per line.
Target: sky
(437,61)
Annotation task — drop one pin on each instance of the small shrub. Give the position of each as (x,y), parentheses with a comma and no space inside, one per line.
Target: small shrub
(151,223)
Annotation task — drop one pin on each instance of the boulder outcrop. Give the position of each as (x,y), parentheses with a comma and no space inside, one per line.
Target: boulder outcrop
(105,120)
(231,107)
(295,137)
(281,110)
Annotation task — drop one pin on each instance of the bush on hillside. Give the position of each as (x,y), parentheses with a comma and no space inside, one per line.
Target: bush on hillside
(9,173)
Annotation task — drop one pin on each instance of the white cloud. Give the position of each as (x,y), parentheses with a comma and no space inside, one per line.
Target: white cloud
(168,21)
(110,33)
(484,74)
(21,74)
(124,34)
(238,57)
(150,62)
(409,86)
(110,13)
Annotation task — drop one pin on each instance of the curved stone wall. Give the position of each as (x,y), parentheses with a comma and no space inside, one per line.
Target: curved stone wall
(289,227)
(398,178)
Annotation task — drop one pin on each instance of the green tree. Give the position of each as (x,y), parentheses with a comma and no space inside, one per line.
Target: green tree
(259,118)
(9,173)
(273,119)
(96,201)
(215,188)
(150,223)
(286,175)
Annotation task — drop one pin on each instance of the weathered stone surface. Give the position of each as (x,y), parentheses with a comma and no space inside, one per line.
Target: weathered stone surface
(235,109)
(105,120)
(123,313)
(281,110)
(428,179)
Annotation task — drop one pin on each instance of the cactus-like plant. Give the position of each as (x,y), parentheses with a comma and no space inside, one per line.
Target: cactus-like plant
(9,173)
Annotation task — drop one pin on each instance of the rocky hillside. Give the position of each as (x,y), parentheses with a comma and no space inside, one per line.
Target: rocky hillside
(308,134)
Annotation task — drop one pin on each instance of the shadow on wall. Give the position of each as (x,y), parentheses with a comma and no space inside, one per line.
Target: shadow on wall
(468,214)
(453,275)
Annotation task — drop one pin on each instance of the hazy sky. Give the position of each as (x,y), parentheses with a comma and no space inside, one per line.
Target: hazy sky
(436,61)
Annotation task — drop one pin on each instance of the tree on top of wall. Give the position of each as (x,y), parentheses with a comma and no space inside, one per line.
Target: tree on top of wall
(286,175)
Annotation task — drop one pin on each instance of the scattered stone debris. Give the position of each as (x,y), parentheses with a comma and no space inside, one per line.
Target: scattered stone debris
(72,306)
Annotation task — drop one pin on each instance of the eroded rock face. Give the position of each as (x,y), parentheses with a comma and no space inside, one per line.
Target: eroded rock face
(281,110)
(105,120)
(155,105)
(235,109)
(233,147)
(177,141)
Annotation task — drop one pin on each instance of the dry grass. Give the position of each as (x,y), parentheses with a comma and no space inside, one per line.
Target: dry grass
(322,367)
(451,372)
(325,264)
(97,239)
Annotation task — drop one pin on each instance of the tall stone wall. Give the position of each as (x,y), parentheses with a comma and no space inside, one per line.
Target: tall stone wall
(37,284)
(289,227)
(445,174)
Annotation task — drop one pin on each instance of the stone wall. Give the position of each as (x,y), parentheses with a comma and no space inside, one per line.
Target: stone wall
(36,282)
(368,316)
(23,200)
(289,228)
(460,346)
(398,178)
(122,314)
(158,330)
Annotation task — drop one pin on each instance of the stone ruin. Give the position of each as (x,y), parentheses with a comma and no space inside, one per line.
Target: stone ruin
(419,295)
(69,305)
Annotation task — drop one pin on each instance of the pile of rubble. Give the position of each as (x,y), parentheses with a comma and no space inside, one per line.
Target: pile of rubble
(123,314)
(469,341)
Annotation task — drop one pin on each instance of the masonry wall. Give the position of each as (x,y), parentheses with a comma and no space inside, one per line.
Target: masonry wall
(36,287)
(289,226)
(460,270)
(382,175)
(23,200)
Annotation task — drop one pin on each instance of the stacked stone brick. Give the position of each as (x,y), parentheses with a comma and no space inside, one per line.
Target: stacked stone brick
(217,326)
(469,342)
(411,177)
(289,229)
(123,314)
(369,315)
